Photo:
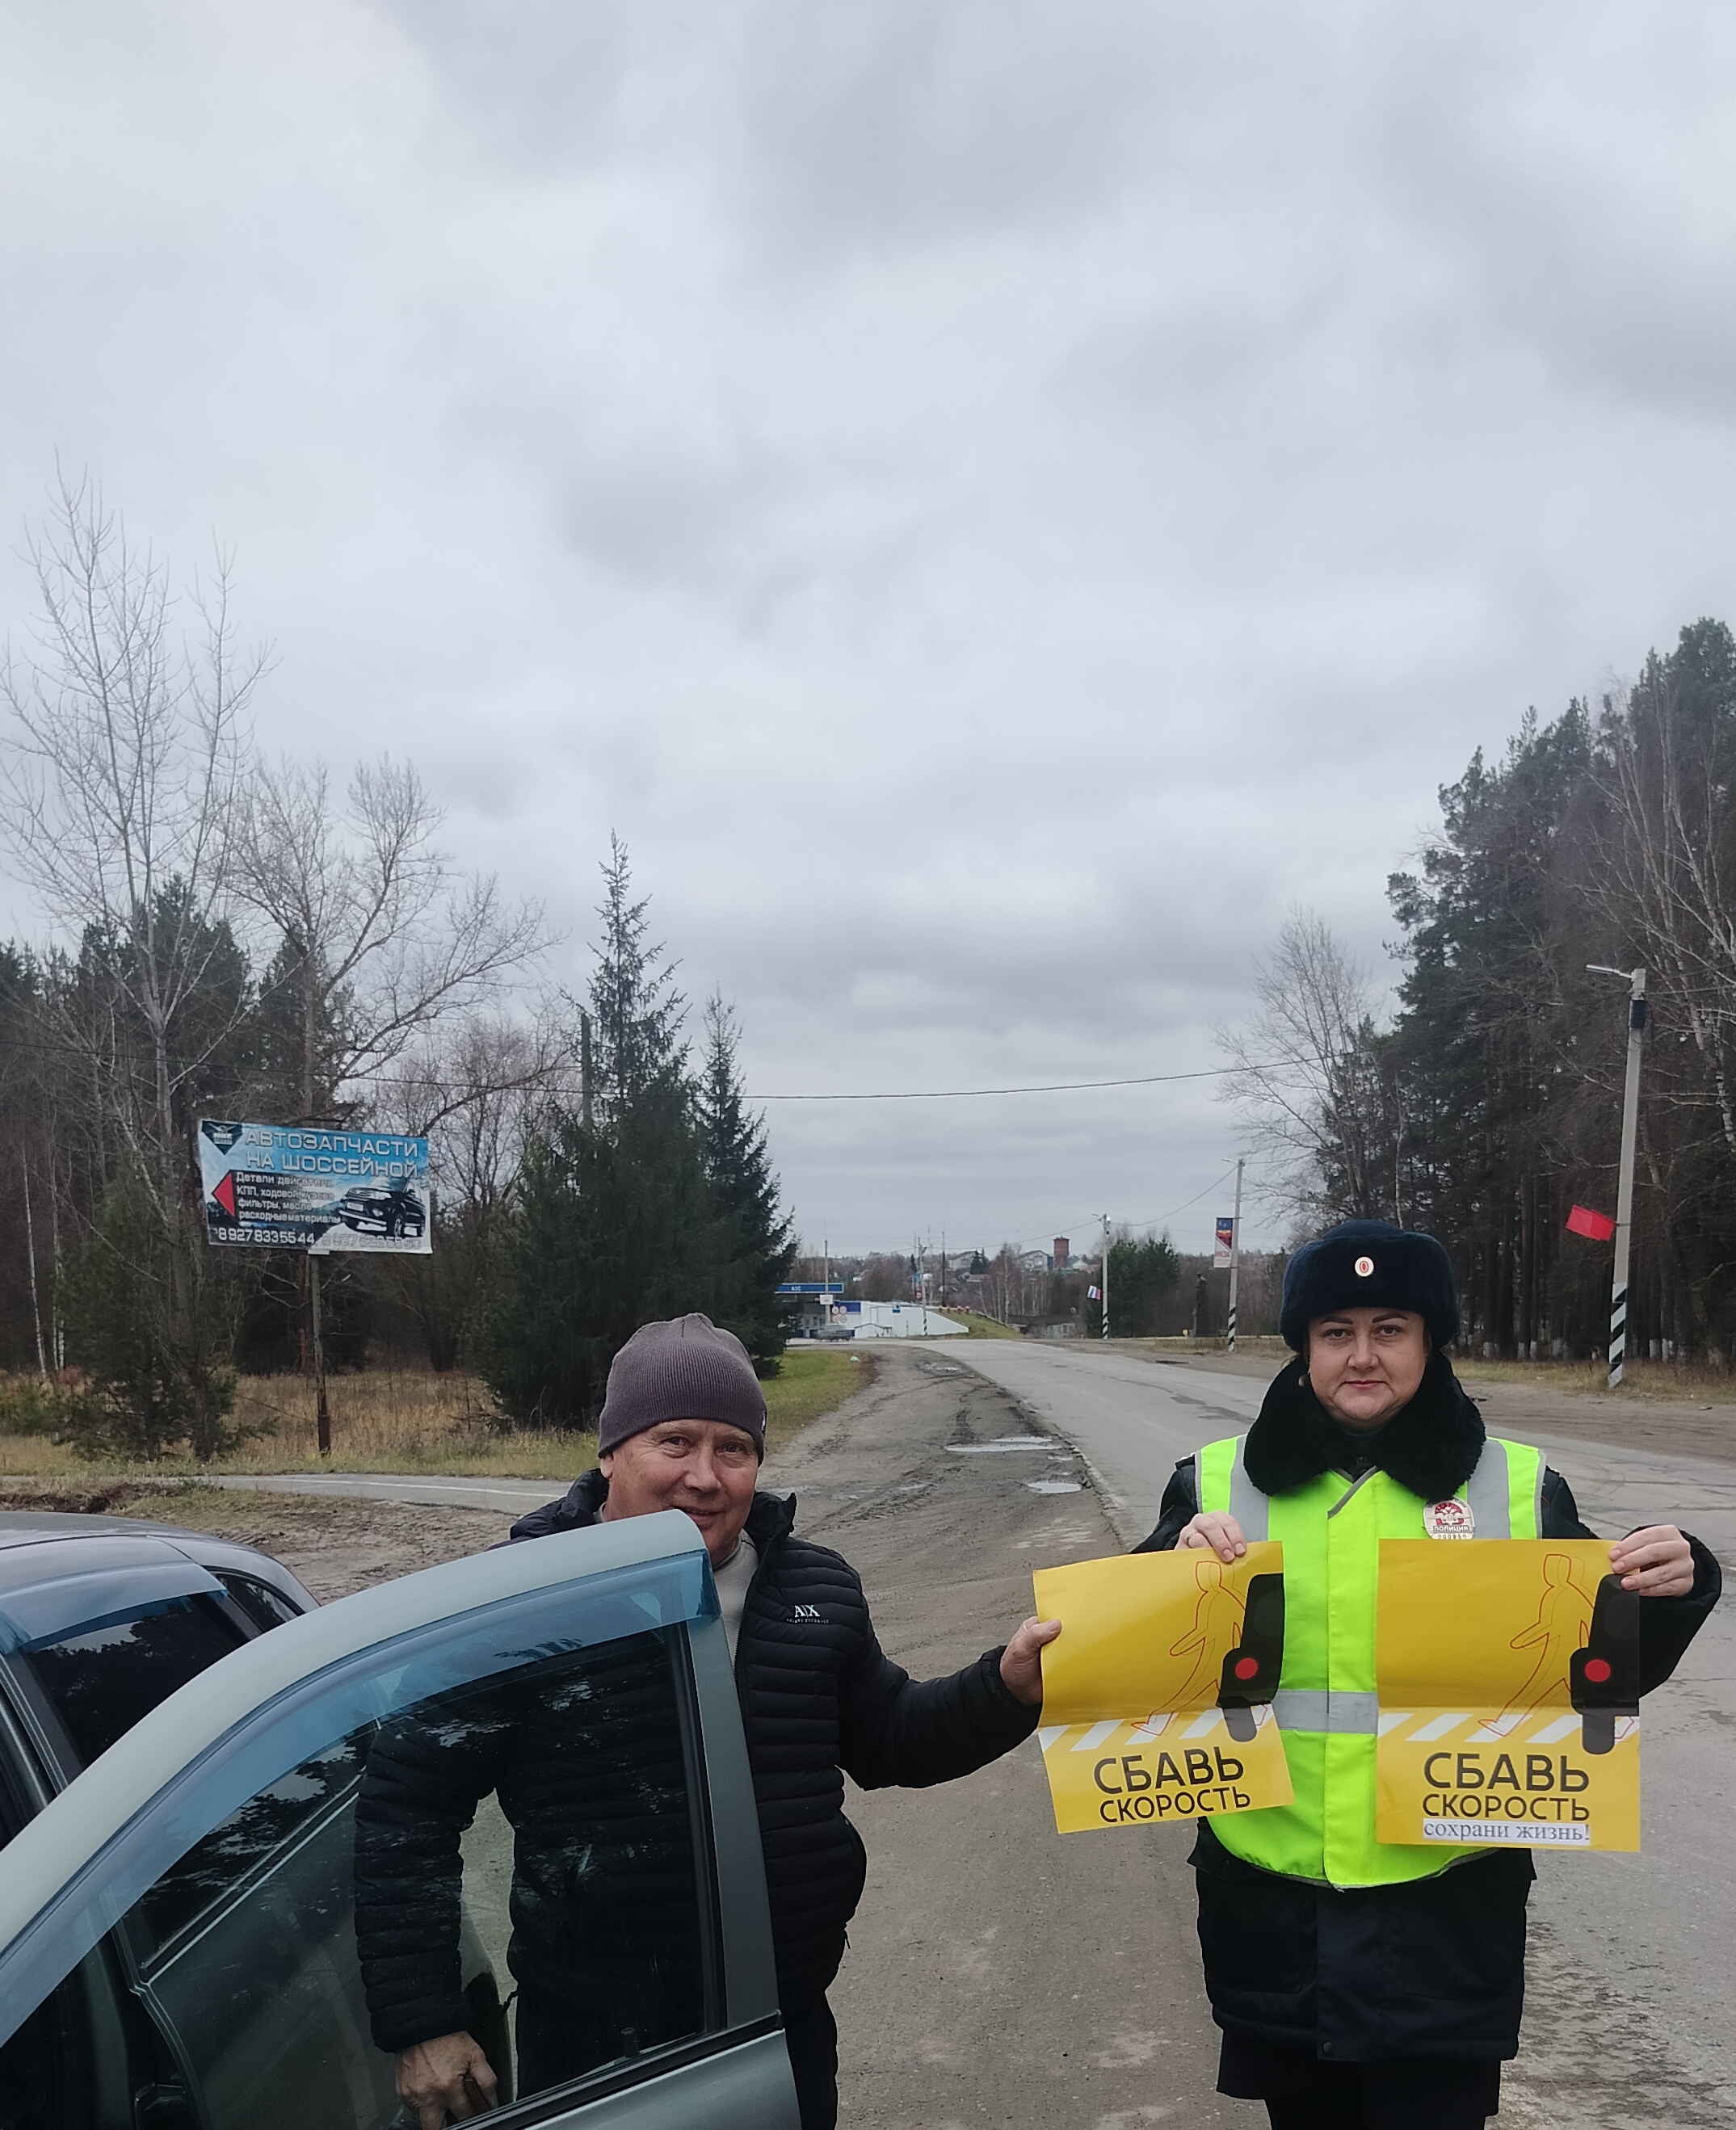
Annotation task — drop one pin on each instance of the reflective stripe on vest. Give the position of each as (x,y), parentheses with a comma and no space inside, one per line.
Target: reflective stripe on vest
(1326,1707)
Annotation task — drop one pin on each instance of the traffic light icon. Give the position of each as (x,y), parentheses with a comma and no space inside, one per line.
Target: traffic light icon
(1603,1676)
(1251,1671)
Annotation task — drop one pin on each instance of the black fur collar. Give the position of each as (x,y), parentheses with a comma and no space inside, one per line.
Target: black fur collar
(1430,1445)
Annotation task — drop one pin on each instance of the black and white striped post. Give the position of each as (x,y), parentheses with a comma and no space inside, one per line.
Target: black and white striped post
(1104,1296)
(1636,981)
(1235,1256)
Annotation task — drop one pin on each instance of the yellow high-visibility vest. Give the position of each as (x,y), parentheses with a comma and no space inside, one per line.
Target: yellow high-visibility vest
(1327,1708)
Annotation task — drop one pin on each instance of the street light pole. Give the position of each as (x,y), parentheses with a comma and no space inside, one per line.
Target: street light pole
(1234,1254)
(1105,1332)
(1635,980)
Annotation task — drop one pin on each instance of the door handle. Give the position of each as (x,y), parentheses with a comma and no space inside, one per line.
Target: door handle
(162,2108)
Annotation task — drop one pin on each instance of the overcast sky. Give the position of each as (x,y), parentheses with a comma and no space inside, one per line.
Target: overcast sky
(993,502)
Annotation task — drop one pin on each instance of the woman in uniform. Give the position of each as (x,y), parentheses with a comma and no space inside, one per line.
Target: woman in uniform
(1363,1983)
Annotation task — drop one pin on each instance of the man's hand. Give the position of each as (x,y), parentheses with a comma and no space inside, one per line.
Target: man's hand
(1022,1660)
(1657,1561)
(447,2076)
(1221,1534)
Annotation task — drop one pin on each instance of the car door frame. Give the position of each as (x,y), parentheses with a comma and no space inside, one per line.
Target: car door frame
(59,1897)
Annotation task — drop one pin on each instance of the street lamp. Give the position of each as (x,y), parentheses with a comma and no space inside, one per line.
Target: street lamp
(1635,980)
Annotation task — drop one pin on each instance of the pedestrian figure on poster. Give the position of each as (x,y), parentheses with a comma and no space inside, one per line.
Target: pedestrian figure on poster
(1218,1620)
(1562,1624)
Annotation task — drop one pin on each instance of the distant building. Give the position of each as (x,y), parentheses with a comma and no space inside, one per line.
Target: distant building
(822,1313)
(1063,1254)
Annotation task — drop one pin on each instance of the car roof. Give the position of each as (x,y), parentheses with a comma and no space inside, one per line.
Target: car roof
(102,1541)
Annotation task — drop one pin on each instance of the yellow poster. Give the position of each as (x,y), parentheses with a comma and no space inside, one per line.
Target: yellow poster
(1507,1673)
(1156,1698)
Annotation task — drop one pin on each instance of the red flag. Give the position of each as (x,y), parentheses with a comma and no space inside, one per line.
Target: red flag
(1599,1226)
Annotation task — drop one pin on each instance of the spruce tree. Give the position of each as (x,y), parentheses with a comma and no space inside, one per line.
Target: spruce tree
(754,1241)
(652,1197)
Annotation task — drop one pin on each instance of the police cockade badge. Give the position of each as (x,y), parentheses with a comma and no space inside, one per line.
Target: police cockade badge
(1449,1519)
(1365,1267)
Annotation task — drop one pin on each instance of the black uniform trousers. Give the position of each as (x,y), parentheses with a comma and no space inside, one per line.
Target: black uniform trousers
(1302,2093)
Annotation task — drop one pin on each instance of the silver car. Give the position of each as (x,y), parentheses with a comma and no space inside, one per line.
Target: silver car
(177,1942)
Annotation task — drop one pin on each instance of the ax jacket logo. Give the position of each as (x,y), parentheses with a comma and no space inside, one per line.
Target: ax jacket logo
(806,1612)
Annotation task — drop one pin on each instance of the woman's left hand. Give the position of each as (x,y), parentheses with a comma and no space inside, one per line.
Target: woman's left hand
(1657,1561)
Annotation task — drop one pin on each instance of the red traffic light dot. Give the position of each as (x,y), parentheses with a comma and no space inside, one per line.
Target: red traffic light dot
(1597,1670)
(1246,1667)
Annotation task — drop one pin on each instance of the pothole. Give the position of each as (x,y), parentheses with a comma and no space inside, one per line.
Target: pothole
(1055,1485)
(1002,1445)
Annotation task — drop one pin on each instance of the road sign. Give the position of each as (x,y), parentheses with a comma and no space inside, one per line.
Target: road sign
(301,1187)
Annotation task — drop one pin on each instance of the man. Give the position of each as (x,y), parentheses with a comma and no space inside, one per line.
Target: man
(683,1427)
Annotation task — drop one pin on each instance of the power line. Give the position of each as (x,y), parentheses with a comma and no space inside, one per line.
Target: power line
(956,1094)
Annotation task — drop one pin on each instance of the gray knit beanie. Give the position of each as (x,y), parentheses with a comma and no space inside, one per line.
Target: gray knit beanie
(681,1367)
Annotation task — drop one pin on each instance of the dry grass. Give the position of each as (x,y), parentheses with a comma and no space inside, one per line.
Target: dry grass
(981,1327)
(1654,1381)
(386,1422)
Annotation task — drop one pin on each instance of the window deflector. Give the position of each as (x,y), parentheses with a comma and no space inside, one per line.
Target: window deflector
(78,1867)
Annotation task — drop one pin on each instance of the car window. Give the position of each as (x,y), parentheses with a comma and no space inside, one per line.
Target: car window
(100,1683)
(538,1835)
(264,1606)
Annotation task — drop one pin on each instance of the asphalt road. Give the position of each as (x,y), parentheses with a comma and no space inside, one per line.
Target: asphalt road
(1633,1998)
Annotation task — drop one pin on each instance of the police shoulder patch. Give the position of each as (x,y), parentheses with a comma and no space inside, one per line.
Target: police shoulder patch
(1449,1519)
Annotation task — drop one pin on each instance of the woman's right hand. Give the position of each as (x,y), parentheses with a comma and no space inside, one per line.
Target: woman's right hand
(1221,1534)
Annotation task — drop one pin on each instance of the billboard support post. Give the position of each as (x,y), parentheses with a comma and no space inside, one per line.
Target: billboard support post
(321,1410)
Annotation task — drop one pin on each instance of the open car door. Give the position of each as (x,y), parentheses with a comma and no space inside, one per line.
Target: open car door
(190,1933)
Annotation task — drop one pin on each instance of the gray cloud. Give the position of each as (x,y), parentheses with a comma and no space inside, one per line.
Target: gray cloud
(994,503)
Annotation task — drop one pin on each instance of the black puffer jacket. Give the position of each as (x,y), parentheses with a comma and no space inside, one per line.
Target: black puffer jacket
(585,1753)
(1433,1967)
(820,1699)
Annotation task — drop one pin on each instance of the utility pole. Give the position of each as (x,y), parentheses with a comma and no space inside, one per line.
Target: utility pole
(321,1410)
(1106,1275)
(1234,1254)
(1635,980)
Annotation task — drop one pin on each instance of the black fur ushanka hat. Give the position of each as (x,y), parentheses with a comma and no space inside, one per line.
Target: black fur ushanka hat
(1369,1264)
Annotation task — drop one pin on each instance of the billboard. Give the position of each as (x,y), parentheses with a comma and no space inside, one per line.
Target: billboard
(303,1188)
(1223,1242)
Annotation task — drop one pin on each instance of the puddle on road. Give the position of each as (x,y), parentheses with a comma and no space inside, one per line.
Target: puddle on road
(1055,1485)
(1001,1446)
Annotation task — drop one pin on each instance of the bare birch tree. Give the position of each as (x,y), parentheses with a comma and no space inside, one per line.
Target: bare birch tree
(476,1090)
(380,940)
(120,763)
(1307,1075)
(1665,879)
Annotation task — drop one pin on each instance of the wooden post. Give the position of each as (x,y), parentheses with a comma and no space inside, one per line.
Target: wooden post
(322,1410)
